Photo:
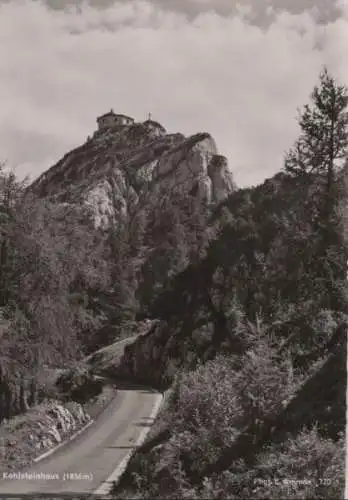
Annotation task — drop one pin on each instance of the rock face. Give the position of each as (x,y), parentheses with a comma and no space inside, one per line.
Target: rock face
(79,385)
(42,427)
(109,361)
(153,349)
(127,163)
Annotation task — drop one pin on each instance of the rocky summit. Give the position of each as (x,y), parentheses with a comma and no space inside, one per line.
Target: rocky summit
(125,163)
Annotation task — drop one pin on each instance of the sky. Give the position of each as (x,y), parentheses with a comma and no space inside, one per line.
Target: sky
(239,71)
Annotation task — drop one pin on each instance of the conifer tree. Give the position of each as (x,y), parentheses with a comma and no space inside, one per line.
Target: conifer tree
(317,160)
(323,142)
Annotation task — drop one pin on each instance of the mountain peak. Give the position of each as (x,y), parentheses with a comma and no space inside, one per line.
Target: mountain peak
(124,156)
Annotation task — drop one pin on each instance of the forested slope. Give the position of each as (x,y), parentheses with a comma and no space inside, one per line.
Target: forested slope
(252,337)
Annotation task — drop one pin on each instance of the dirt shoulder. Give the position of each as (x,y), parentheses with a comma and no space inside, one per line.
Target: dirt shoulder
(45,426)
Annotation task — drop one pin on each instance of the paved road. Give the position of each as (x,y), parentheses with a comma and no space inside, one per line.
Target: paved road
(95,453)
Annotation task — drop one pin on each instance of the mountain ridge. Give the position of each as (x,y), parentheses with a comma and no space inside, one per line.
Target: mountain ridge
(122,163)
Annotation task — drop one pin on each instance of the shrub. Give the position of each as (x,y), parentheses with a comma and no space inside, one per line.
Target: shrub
(79,384)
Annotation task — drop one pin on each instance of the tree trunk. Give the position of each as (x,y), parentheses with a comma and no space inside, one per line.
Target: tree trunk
(7,400)
(3,259)
(33,392)
(23,403)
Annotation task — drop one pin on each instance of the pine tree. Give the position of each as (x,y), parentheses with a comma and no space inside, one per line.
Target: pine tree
(322,146)
(323,142)
(316,160)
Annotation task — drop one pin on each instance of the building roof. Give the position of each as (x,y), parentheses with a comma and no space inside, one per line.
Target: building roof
(156,124)
(109,113)
(124,116)
(112,113)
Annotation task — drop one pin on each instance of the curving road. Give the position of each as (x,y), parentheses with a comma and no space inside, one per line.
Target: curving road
(96,454)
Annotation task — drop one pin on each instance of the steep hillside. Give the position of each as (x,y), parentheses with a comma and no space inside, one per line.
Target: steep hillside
(252,344)
(250,339)
(123,165)
(246,273)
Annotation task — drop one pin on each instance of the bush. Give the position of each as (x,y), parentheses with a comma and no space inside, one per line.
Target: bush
(306,458)
(79,384)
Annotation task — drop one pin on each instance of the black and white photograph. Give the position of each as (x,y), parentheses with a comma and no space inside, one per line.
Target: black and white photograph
(173,249)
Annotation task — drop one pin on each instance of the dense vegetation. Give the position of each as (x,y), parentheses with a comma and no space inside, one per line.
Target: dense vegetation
(256,332)
(49,270)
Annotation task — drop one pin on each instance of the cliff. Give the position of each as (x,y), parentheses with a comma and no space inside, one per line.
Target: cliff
(120,167)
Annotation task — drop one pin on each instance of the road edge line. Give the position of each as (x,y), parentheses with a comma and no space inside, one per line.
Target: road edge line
(77,433)
(105,487)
